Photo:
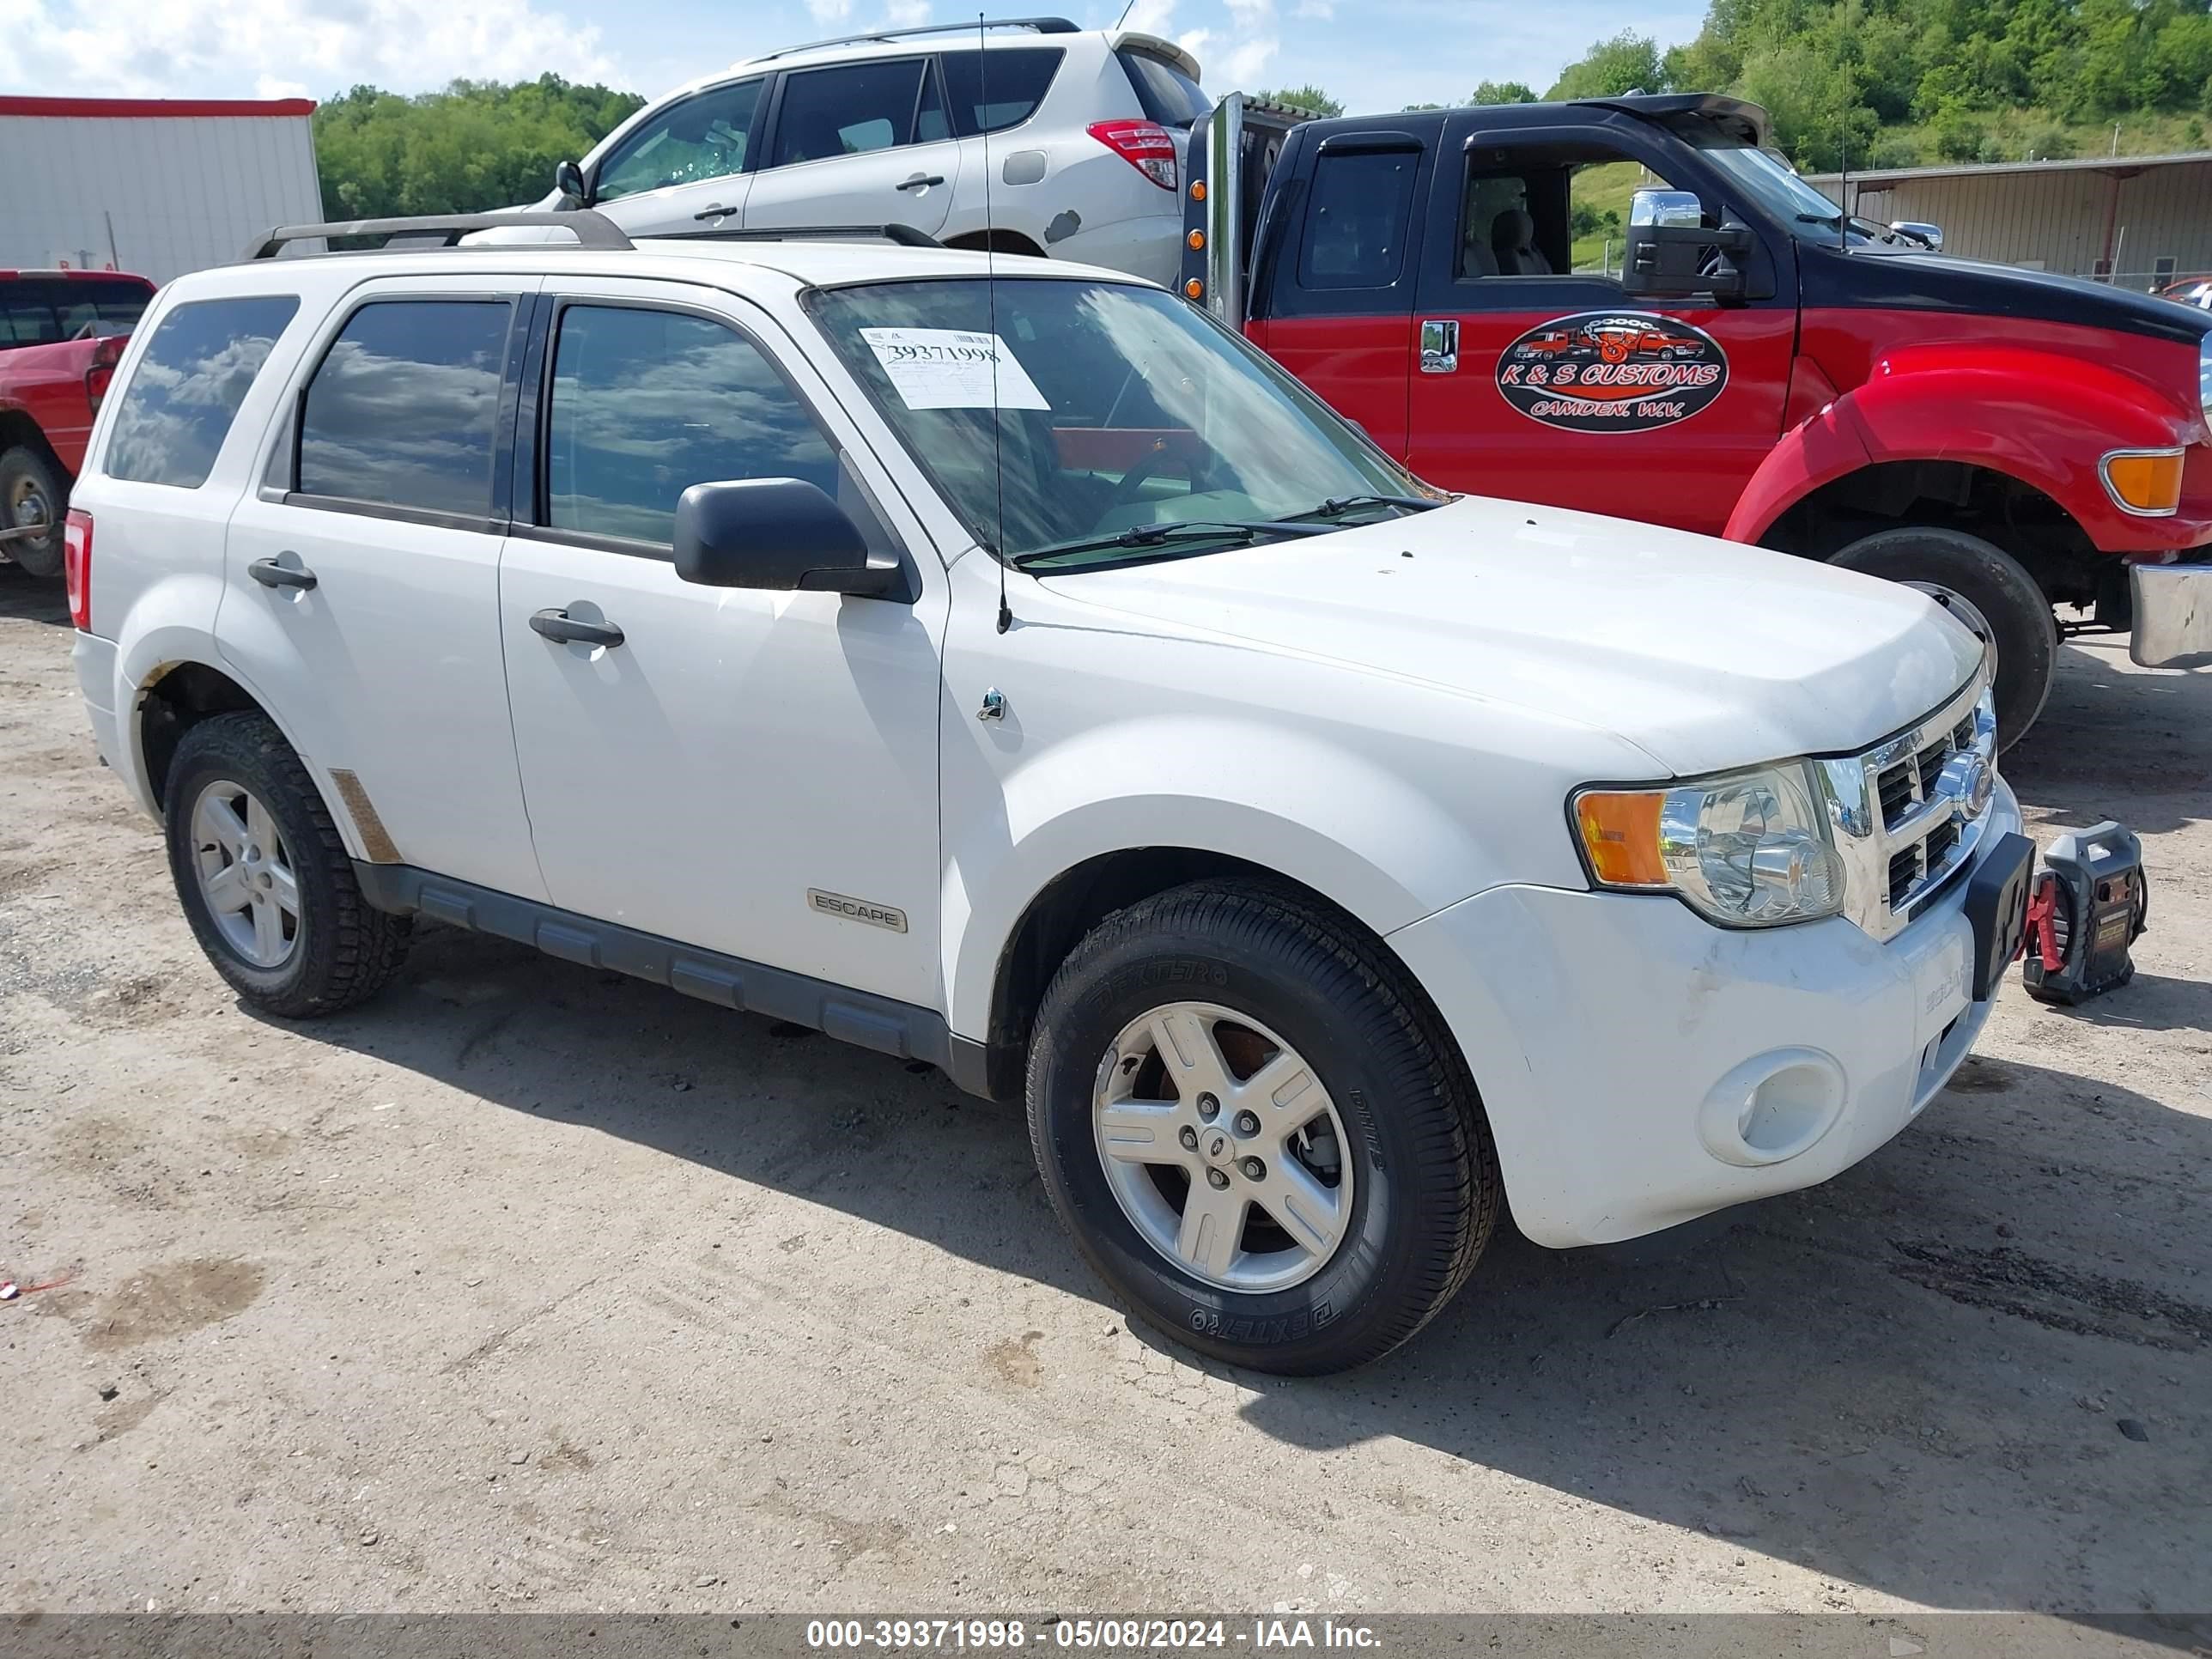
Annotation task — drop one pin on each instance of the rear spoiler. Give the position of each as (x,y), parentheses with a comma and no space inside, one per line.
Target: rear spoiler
(1153,44)
(1232,154)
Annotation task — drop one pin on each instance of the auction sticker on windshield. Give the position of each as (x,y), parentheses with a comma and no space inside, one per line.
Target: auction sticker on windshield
(952,368)
(1612,371)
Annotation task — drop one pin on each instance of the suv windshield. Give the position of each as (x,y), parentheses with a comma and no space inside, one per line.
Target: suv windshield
(1119,407)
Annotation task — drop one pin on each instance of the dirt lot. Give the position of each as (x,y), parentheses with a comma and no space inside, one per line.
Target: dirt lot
(530,1287)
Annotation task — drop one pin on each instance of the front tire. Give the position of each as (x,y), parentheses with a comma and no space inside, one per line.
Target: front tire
(264,879)
(1257,1131)
(1999,595)
(31,492)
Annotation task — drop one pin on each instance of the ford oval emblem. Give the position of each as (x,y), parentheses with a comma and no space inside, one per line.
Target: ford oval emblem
(1970,780)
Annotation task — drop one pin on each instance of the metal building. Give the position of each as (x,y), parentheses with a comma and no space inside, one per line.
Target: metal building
(2137,221)
(157,186)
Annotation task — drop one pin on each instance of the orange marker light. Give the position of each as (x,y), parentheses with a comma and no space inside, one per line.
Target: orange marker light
(1620,834)
(1194,287)
(2145,481)
(1198,190)
(1196,239)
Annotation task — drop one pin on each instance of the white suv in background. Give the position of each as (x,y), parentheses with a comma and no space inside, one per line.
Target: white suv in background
(1069,143)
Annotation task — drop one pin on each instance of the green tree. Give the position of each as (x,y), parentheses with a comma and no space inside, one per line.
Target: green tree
(1305,97)
(1501,92)
(1629,61)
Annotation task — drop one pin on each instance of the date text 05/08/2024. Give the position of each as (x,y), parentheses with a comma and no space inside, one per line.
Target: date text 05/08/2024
(1085,1635)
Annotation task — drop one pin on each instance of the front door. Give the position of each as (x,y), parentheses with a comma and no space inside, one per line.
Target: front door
(684,167)
(748,771)
(362,578)
(865,144)
(1536,376)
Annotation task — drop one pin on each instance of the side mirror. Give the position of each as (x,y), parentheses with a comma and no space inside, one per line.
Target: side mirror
(1928,236)
(1672,253)
(568,179)
(782,534)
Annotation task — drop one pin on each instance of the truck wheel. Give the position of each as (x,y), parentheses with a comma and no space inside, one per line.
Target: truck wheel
(30,494)
(2001,601)
(264,879)
(1257,1131)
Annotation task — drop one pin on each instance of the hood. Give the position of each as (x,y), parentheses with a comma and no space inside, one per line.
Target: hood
(1938,281)
(1705,655)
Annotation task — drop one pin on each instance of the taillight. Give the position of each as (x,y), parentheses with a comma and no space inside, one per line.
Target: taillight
(1144,145)
(77,566)
(102,372)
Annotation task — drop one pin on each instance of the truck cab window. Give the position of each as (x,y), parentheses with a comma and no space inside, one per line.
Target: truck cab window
(1549,218)
(1357,219)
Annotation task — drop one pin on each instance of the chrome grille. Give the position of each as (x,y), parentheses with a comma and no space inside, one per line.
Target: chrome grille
(1904,820)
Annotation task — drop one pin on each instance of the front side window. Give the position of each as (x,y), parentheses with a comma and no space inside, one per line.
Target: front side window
(1096,409)
(645,403)
(1357,218)
(185,392)
(404,409)
(993,91)
(703,137)
(847,110)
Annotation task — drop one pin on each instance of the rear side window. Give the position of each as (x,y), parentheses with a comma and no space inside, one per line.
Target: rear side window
(645,403)
(1357,219)
(195,372)
(1004,92)
(846,111)
(403,410)
(1164,91)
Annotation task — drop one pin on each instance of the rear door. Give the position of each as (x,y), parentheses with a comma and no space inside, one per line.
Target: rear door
(1338,303)
(362,578)
(686,166)
(862,143)
(1547,381)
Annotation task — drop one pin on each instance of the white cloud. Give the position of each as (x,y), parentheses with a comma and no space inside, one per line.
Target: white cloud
(1151,17)
(829,13)
(268,48)
(1320,11)
(906,15)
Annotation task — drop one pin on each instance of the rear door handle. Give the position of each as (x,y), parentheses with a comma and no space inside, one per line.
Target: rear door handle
(922,181)
(560,625)
(270,574)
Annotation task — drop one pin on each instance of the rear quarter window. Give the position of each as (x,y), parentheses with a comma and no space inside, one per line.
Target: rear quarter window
(990,96)
(1164,91)
(186,387)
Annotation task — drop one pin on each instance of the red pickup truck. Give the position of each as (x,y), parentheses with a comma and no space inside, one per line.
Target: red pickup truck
(1761,367)
(61,334)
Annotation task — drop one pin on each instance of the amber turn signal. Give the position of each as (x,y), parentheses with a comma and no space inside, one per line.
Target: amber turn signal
(1620,835)
(1194,287)
(1198,190)
(1196,239)
(2145,480)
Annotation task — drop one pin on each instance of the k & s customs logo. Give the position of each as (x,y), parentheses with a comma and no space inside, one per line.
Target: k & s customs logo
(1612,371)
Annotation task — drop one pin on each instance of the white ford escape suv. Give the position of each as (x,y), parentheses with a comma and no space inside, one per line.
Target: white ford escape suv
(1027,676)
(1032,136)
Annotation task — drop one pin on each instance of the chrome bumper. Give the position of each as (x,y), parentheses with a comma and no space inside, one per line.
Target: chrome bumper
(2173,614)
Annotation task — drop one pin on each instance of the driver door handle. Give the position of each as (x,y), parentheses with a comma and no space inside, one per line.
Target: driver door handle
(717,211)
(270,574)
(921,181)
(560,625)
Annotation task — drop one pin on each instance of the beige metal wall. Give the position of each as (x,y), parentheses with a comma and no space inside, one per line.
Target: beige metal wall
(2059,218)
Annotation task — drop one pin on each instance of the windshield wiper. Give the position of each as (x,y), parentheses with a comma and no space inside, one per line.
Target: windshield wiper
(1337,506)
(1155,535)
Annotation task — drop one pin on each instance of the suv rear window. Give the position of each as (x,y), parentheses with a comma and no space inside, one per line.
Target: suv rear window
(35,311)
(184,393)
(403,410)
(1166,93)
(1004,93)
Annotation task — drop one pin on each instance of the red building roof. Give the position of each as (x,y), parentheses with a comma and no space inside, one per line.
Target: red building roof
(155,108)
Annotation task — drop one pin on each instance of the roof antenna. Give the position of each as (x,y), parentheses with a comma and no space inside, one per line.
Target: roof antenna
(991,301)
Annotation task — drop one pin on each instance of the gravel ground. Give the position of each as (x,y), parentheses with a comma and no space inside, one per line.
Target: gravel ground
(530,1287)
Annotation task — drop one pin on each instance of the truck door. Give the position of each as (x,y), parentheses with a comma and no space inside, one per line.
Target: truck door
(1540,377)
(1338,307)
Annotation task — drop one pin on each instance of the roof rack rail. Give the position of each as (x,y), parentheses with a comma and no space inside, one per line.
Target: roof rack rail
(591,229)
(903,235)
(1042,25)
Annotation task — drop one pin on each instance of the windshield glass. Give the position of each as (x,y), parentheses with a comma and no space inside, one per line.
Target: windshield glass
(1118,407)
(1766,178)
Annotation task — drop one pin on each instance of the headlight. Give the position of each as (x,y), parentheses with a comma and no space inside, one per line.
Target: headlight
(1749,849)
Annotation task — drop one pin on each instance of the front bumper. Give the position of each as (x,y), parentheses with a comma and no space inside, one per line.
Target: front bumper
(1615,1038)
(2173,614)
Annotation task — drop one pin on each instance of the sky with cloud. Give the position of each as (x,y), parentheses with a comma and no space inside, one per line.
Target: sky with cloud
(1372,54)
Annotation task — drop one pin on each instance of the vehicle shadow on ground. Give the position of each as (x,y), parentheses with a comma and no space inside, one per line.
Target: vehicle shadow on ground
(1788,1377)
(2105,738)
(27,598)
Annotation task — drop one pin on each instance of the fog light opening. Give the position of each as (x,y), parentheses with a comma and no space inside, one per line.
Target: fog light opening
(1772,1108)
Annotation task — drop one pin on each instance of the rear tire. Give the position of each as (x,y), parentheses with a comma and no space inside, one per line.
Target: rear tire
(2021,626)
(264,879)
(32,492)
(1353,1212)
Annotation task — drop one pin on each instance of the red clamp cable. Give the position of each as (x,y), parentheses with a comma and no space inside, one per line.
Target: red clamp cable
(2042,911)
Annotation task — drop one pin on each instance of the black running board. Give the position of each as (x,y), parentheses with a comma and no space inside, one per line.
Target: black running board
(897,1028)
